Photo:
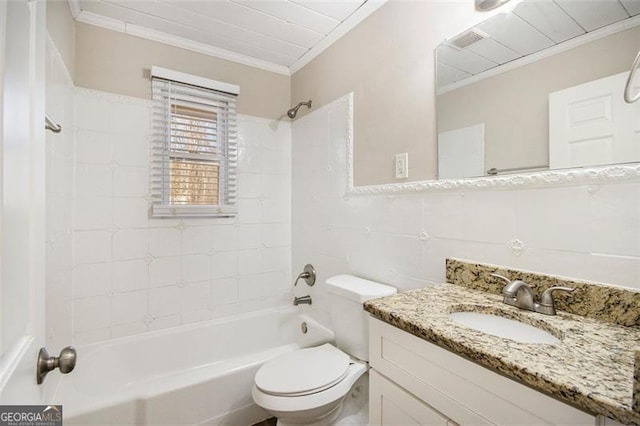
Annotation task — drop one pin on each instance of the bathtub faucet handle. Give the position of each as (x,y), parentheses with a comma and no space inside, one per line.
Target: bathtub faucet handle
(308,275)
(66,362)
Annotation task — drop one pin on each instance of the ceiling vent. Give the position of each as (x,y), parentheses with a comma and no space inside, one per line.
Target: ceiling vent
(465,40)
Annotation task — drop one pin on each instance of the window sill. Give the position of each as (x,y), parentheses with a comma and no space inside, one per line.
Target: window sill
(168,210)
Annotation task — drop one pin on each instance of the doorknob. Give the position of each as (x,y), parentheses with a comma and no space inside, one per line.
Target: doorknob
(65,362)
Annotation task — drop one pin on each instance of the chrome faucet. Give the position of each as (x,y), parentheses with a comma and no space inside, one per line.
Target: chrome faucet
(519,294)
(303,300)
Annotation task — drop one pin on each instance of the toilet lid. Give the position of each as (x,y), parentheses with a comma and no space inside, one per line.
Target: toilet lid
(303,371)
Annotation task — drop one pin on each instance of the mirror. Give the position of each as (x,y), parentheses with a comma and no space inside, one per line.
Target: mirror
(539,87)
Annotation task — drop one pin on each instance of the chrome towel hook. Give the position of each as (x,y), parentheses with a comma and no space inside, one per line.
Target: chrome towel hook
(627,88)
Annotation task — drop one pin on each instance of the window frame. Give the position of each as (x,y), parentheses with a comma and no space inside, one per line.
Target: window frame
(218,93)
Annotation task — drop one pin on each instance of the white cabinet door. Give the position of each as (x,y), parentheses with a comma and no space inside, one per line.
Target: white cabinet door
(590,125)
(390,405)
(22,198)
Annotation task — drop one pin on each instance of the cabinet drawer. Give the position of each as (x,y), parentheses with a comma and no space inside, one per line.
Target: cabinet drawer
(458,388)
(389,404)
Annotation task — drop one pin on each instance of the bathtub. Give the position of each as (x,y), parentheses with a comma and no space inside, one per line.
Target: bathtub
(196,374)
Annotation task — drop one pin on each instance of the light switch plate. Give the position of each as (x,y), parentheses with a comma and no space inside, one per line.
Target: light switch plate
(402,166)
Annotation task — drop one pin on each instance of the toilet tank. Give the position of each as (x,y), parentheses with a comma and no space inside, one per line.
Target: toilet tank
(350,321)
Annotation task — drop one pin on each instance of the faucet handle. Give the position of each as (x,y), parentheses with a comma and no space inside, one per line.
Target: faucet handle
(502,277)
(547,298)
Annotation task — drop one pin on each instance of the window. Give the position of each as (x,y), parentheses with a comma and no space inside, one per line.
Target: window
(194,148)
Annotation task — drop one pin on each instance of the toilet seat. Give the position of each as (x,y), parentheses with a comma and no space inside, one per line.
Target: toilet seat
(303,372)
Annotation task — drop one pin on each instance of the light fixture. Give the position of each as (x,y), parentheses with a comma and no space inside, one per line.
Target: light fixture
(484,5)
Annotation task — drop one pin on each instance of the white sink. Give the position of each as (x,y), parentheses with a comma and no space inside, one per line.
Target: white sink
(503,327)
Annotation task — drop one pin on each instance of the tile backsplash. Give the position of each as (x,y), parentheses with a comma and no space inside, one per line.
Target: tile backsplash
(605,303)
(132,273)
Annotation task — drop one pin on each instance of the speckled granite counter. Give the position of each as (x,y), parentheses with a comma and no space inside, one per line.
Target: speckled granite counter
(592,368)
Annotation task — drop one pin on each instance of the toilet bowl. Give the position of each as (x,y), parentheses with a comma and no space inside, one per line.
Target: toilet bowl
(308,386)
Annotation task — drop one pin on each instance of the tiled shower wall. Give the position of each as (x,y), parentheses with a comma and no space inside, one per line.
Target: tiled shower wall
(134,274)
(59,206)
(587,232)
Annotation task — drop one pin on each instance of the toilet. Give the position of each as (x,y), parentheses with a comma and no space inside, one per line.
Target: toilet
(308,386)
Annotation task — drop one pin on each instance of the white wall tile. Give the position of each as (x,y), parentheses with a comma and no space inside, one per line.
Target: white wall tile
(165,271)
(92,213)
(129,307)
(93,147)
(224,291)
(130,181)
(224,238)
(249,185)
(249,261)
(196,267)
(162,273)
(93,113)
(130,275)
(131,119)
(130,244)
(196,297)
(614,219)
(165,242)
(92,246)
(93,180)
(249,236)
(489,216)
(224,265)
(250,287)
(554,218)
(196,239)
(164,301)
(276,235)
(131,150)
(130,213)
(93,279)
(91,313)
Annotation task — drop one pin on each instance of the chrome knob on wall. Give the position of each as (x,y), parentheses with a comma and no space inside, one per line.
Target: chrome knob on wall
(45,363)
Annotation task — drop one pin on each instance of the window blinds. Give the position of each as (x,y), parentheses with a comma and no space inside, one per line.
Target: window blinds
(194,150)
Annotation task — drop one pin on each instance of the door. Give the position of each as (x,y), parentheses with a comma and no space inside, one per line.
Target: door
(22,189)
(590,125)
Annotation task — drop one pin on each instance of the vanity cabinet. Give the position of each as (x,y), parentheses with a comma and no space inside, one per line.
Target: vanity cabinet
(416,382)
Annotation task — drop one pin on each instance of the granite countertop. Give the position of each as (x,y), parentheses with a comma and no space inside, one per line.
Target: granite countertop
(592,368)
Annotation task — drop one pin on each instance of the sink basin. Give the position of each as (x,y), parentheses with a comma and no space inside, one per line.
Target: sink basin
(504,327)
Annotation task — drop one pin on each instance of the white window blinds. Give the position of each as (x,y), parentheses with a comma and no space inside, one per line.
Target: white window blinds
(194,150)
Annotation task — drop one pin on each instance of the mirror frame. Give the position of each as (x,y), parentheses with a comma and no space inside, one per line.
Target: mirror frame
(565,177)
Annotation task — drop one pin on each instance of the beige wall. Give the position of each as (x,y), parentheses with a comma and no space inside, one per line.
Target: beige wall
(514,105)
(61,28)
(119,63)
(388,62)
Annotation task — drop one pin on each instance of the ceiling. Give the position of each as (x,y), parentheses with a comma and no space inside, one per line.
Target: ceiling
(533,26)
(277,35)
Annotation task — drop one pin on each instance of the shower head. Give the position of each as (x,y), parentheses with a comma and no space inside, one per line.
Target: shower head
(294,111)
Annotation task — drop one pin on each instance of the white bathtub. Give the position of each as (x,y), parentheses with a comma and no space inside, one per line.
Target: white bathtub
(197,374)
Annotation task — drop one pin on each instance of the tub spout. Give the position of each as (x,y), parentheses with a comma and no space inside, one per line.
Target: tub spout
(304,300)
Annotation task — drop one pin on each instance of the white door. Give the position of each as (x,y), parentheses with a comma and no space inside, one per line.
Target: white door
(22,189)
(590,125)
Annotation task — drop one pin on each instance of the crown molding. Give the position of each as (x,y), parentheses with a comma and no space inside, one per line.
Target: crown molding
(171,40)
(347,25)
